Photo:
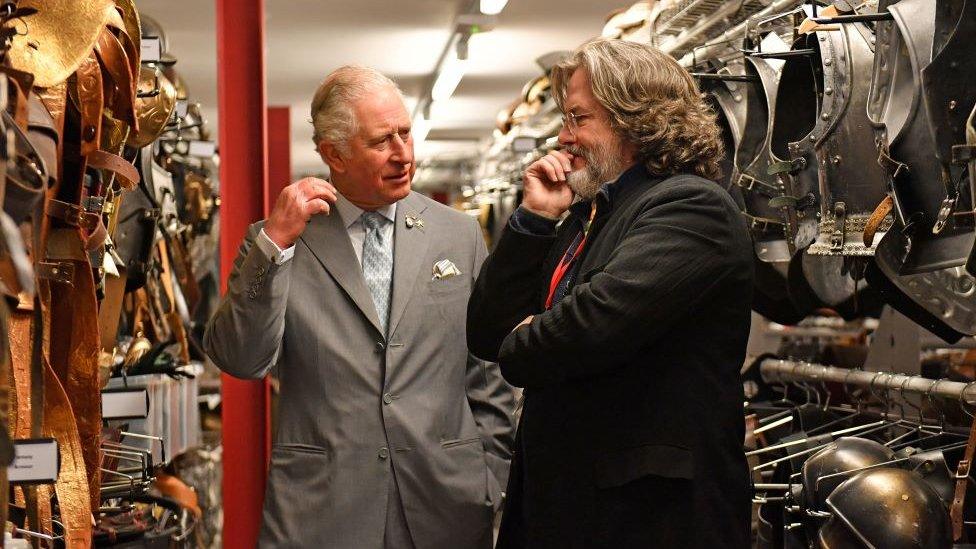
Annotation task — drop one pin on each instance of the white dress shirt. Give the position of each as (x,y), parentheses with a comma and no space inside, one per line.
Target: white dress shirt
(350,214)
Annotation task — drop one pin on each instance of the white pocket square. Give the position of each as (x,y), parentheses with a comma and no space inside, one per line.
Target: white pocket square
(445,268)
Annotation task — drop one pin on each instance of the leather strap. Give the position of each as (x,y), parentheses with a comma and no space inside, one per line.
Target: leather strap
(963,154)
(962,482)
(877,217)
(73,215)
(72,486)
(127,173)
(178,490)
(110,310)
(74,350)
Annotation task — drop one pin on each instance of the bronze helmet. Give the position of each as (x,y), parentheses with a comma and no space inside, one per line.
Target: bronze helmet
(844,454)
(889,508)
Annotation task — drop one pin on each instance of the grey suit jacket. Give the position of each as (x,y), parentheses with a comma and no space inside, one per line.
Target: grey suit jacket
(353,404)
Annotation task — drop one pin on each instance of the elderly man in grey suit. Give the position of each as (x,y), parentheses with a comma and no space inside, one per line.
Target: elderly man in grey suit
(390,434)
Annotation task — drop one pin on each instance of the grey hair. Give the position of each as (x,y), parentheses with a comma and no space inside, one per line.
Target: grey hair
(653,103)
(333,116)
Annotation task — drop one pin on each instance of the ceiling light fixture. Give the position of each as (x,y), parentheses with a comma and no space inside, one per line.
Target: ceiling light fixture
(420,129)
(492,7)
(453,65)
(448,78)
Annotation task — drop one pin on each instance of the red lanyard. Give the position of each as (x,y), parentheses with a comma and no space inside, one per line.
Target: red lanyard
(566,262)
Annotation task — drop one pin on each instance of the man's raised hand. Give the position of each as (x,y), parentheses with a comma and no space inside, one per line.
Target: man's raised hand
(295,207)
(544,182)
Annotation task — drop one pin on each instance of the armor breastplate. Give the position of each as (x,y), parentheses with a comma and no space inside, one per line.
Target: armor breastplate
(916,133)
(753,156)
(923,254)
(823,143)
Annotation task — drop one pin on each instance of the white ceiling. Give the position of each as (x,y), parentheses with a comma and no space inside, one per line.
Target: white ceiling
(306,39)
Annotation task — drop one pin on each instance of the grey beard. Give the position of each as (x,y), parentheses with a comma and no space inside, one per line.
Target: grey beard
(603,164)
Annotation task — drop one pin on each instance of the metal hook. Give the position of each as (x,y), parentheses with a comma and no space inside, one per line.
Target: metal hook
(962,400)
(921,414)
(938,408)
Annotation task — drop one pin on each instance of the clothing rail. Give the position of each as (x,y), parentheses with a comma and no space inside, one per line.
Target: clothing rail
(776,370)
(721,42)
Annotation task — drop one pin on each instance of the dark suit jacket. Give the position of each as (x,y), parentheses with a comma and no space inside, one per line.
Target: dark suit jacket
(632,428)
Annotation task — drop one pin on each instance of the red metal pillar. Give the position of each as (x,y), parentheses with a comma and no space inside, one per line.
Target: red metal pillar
(243,178)
(279,154)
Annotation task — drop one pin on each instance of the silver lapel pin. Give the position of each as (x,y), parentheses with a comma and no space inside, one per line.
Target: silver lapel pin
(412,222)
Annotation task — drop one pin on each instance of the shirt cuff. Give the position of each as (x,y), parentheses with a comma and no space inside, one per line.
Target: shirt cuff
(275,254)
(526,222)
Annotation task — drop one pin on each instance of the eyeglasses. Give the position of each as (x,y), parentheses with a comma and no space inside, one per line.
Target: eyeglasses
(571,120)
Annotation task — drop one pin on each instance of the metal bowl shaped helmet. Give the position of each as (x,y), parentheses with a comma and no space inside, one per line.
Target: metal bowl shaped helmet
(844,454)
(886,508)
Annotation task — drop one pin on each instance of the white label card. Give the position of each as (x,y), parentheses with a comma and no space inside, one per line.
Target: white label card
(125,404)
(151,50)
(36,461)
(524,144)
(202,149)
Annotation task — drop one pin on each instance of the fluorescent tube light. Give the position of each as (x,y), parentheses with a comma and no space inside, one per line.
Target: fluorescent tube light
(492,7)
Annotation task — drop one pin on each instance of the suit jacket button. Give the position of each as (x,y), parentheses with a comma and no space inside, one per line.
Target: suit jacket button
(387,398)
(384,453)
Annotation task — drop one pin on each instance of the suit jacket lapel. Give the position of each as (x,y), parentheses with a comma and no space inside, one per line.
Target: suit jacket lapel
(409,251)
(328,240)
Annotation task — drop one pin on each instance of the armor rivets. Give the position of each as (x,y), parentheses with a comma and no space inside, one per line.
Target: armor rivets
(828,62)
(823,38)
(825,115)
(738,98)
(837,159)
(813,138)
(828,91)
(952,105)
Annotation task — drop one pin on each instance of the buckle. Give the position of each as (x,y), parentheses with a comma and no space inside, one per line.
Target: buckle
(95,204)
(73,215)
(962,470)
(945,211)
(60,271)
(752,181)
(962,154)
(890,165)
(837,235)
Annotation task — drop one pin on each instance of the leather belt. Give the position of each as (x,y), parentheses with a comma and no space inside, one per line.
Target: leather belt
(74,352)
(126,172)
(874,222)
(73,215)
(962,483)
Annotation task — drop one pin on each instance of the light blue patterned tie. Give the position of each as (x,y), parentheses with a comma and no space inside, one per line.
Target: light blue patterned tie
(378,264)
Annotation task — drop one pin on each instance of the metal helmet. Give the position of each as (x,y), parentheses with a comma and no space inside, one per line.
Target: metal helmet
(931,467)
(844,454)
(889,508)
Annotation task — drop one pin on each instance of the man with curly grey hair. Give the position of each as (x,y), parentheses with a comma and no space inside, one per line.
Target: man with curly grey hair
(627,322)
